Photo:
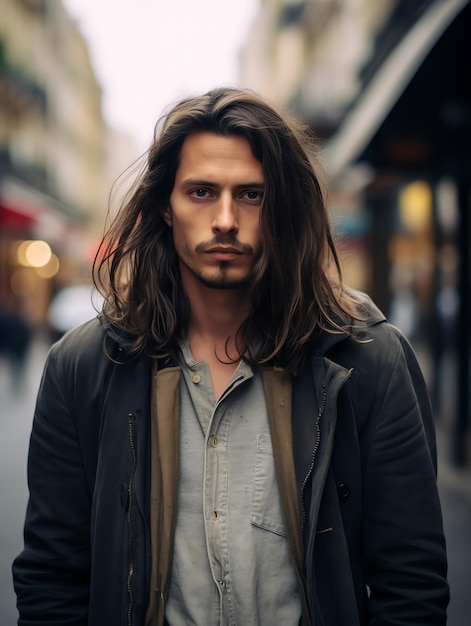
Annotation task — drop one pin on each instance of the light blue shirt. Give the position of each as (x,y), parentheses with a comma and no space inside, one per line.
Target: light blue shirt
(231,562)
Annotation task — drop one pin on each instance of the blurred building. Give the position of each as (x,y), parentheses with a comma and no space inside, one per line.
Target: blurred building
(306,54)
(385,86)
(55,152)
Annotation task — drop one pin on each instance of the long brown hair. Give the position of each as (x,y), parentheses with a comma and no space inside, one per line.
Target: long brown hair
(292,292)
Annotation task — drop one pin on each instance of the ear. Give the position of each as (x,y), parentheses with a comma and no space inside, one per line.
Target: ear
(167,215)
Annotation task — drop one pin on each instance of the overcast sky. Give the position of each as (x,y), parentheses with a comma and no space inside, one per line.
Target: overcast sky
(149,53)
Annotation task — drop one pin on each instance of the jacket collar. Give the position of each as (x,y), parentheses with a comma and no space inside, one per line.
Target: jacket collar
(369,315)
(122,338)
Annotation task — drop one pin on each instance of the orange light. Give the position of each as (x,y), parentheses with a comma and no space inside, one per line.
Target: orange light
(34,253)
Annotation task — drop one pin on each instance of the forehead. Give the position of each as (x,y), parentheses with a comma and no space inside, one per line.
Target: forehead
(207,149)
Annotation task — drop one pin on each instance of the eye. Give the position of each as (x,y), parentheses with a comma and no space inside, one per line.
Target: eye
(199,193)
(253,196)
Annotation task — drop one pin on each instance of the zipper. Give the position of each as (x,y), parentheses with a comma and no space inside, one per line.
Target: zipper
(337,389)
(313,456)
(129,518)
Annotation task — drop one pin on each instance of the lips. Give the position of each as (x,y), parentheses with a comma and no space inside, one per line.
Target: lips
(224,250)
(224,253)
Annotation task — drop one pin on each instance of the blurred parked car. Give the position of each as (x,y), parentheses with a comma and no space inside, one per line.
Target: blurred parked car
(71,307)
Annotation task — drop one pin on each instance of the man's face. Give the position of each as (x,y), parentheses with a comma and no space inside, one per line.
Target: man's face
(215,210)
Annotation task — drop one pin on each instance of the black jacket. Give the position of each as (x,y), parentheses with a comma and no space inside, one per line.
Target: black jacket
(365,462)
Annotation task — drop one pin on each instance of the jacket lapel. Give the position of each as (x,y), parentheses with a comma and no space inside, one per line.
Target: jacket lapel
(165,406)
(278,396)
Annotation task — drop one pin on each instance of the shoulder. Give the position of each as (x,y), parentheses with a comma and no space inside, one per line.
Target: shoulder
(376,352)
(371,335)
(84,343)
(83,370)
(91,353)
(84,356)
(375,349)
(386,383)
(368,312)
(94,339)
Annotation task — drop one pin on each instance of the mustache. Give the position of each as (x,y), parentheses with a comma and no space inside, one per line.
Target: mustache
(222,240)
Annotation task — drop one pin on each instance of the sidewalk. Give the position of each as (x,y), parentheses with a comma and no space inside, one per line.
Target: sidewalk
(455,493)
(449,476)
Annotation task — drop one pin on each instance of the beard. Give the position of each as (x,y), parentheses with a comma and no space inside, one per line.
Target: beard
(221,280)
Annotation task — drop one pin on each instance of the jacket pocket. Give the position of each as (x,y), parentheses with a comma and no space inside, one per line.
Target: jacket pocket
(266,503)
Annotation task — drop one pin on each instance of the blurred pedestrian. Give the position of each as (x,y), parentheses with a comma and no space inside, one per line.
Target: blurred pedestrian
(238,438)
(15,340)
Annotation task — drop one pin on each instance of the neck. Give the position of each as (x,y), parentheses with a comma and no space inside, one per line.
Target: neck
(215,317)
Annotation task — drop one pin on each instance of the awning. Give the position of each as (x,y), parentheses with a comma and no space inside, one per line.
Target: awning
(15,217)
(21,205)
(385,88)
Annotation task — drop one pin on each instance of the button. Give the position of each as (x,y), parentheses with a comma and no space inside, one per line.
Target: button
(343,491)
(215,515)
(196,378)
(214,441)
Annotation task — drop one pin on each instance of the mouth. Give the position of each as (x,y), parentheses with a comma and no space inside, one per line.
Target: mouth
(224,253)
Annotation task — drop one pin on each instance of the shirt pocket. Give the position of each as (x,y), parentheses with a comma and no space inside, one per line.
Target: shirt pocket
(266,502)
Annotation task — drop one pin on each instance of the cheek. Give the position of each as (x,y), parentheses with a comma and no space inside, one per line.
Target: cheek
(183,235)
(255,231)
(183,220)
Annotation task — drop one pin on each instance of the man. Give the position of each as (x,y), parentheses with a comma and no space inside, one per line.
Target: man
(237,439)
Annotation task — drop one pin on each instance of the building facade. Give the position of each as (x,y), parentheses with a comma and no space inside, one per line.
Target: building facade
(55,151)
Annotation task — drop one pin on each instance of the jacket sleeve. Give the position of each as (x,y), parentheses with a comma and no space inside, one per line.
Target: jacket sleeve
(404,553)
(51,575)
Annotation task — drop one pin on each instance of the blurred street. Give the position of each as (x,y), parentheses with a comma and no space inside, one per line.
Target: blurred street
(16,410)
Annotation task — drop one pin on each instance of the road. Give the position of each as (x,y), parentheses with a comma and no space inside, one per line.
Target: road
(16,410)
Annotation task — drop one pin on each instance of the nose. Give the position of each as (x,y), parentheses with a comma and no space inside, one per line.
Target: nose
(225,219)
